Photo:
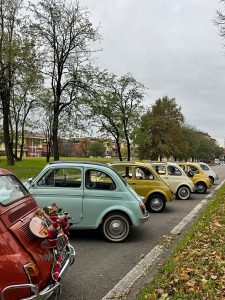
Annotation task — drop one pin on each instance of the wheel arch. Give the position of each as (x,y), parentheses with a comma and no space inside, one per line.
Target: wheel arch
(183,185)
(115,210)
(156,193)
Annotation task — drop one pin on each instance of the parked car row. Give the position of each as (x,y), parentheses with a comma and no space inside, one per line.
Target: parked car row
(112,198)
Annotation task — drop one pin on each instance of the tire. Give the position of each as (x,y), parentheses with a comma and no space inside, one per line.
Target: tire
(156,203)
(116,227)
(183,193)
(201,188)
(211,179)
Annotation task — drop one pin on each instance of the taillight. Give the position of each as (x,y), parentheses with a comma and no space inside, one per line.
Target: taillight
(32,272)
(142,207)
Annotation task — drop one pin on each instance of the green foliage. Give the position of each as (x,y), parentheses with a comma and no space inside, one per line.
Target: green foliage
(116,106)
(161,130)
(96,149)
(198,146)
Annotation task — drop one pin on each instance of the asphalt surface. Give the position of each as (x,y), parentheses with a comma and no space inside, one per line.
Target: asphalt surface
(100,265)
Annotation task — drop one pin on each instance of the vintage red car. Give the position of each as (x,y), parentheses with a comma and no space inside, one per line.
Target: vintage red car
(32,263)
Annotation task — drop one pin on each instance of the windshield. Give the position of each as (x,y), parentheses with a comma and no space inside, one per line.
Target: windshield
(11,189)
(114,170)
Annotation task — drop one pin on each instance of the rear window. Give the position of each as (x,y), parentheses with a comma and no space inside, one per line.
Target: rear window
(11,189)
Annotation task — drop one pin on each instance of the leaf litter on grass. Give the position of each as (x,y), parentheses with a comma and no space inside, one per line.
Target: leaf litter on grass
(196,270)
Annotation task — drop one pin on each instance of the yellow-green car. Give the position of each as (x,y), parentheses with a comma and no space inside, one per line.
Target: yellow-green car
(199,178)
(147,183)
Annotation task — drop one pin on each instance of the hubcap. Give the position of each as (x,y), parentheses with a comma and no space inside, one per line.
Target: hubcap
(116,228)
(201,188)
(156,204)
(184,193)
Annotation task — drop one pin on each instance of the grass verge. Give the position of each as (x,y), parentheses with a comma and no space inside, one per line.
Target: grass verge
(196,269)
(31,166)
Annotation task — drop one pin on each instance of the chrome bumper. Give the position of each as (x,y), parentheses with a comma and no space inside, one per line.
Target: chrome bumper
(48,290)
(144,219)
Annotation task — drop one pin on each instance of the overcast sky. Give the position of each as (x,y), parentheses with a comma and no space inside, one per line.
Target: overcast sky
(173,48)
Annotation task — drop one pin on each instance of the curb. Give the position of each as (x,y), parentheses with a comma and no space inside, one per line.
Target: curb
(123,287)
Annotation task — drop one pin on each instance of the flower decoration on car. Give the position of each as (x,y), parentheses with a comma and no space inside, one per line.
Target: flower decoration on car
(52,222)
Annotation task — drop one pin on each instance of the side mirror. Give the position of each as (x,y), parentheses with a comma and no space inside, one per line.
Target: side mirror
(29,183)
(190,174)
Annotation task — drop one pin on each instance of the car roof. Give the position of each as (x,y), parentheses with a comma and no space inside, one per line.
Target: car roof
(188,163)
(5,172)
(130,163)
(76,162)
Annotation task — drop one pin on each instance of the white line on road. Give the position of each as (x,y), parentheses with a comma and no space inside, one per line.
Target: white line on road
(125,284)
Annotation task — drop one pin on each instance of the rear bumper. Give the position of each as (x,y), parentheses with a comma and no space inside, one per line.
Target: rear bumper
(144,219)
(48,290)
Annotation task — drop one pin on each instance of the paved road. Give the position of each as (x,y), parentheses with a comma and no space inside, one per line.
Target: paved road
(100,265)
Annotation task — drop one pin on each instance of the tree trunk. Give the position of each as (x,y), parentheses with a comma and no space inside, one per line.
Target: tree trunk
(5,96)
(22,145)
(118,149)
(128,148)
(55,134)
(48,154)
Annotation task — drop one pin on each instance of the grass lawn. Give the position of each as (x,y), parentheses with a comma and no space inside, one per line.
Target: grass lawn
(196,269)
(31,166)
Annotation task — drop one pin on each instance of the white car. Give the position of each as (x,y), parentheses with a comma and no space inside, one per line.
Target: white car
(174,175)
(209,172)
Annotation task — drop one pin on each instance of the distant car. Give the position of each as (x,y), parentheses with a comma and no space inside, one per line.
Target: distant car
(199,178)
(209,172)
(147,183)
(27,261)
(175,176)
(94,194)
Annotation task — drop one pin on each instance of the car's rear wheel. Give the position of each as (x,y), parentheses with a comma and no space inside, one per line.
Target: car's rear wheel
(211,179)
(116,227)
(201,188)
(183,193)
(156,203)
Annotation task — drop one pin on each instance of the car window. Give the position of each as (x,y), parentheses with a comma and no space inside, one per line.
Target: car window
(193,169)
(123,171)
(98,180)
(161,170)
(61,177)
(204,167)
(11,189)
(174,171)
(143,173)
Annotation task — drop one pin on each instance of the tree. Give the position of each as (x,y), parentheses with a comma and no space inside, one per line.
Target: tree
(160,129)
(26,92)
(96,149)
(9,52)
(65,33)
(117,106)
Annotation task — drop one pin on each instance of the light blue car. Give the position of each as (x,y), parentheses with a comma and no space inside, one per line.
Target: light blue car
(93,194)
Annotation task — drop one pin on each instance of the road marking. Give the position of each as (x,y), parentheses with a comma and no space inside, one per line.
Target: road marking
(125,284)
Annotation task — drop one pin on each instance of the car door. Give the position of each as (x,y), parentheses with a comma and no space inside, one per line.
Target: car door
(63,186)
(142,181)
(175,177)
(162,171)
(100,195)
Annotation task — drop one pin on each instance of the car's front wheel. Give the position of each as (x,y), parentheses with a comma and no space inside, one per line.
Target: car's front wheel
(201,188)
(116,227)
(183,193)
(156,203)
